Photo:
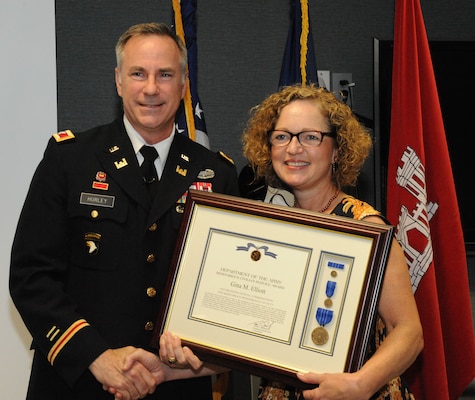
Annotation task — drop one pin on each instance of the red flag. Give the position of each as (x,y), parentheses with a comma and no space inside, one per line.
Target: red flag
(422,199)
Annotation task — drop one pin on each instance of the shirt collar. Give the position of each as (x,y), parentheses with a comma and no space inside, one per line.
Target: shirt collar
(163,147)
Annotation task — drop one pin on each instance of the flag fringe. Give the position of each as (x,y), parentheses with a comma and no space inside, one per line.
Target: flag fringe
(187,101)
(303,41)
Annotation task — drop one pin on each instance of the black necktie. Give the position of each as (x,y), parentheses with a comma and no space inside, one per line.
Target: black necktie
(148,169)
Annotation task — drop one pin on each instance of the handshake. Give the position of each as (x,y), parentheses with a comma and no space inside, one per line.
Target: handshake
(131,373)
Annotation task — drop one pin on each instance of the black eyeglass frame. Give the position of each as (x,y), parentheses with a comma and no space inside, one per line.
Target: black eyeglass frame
(292,135)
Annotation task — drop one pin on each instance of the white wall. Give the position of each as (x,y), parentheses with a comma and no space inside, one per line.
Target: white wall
(27,120)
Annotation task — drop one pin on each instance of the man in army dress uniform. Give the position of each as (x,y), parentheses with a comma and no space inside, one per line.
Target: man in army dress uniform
(92,249)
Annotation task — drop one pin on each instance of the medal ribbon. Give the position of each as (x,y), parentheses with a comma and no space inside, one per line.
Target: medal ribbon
(330,288)
(324,316)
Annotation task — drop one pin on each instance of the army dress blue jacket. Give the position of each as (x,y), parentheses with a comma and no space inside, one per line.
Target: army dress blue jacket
(91,254)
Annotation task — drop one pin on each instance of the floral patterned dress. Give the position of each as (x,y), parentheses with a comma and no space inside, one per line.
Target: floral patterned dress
(397,388)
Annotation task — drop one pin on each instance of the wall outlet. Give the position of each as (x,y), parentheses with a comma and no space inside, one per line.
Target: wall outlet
(323,79)
(341,89)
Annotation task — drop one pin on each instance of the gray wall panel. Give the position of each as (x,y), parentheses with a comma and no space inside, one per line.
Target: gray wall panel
(240,48)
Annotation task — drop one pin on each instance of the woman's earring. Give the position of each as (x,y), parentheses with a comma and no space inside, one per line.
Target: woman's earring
(333,168)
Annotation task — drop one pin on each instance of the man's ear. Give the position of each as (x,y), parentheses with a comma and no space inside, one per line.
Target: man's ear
(118,82)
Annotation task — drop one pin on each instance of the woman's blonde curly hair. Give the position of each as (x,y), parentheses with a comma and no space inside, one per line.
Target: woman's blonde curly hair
(353,140)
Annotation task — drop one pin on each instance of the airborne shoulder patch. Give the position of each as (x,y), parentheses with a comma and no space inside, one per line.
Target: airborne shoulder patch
(226,157)
(63,136)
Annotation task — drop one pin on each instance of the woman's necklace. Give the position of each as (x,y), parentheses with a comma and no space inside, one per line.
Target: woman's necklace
(296,204)
(329,202)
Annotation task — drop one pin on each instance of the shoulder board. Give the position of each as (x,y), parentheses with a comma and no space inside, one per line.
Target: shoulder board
(63,136)
(226,157)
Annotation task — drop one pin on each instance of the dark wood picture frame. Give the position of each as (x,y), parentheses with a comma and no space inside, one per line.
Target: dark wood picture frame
(269,322)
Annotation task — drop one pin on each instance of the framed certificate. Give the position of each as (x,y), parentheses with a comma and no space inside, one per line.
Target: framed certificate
(273,290)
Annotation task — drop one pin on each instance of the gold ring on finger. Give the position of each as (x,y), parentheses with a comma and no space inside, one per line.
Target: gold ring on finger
(171,360)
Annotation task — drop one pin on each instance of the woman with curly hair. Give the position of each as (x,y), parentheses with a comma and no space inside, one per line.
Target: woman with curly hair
(304,140)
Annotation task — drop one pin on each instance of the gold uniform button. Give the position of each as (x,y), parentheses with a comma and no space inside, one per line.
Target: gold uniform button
(151,258)
(94,213)
(153,227)
(149,325)
(151,292)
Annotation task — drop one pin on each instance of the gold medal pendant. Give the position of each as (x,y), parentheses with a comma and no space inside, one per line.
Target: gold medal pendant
(320,336)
